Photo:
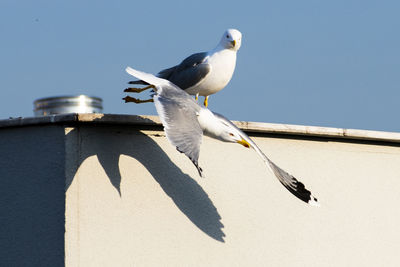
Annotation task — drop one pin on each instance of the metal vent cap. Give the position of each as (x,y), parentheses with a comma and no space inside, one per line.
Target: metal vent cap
(67,104)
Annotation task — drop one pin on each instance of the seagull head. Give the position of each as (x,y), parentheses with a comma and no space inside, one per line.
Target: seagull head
(223,129)
(236,137)
(231,39)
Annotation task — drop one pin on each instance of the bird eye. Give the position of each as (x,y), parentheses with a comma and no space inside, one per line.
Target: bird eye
(227,36)
(231,134)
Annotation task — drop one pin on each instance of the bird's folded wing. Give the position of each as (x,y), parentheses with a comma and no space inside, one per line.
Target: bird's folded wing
(189,72)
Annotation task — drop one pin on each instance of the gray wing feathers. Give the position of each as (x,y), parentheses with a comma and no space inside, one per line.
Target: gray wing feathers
(166,74)
(290,182)
(296,187)
(187,74)
(190,76)
(181,126)
(190,72)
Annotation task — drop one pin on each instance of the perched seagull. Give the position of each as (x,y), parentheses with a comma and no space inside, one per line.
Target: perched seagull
(202,73)
(185,122)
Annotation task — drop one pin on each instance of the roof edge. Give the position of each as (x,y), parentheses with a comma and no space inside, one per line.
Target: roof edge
(255,127)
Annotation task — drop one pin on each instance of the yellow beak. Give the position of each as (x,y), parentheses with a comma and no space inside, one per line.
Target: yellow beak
(233,43)
(243,143)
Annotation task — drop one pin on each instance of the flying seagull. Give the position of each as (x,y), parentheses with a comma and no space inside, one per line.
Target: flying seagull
(202,73)
(185,122)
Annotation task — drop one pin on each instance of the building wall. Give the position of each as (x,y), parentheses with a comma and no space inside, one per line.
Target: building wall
(32,196)
(118,194)
(133,200)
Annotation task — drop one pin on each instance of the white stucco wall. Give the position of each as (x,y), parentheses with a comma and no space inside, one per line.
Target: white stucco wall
(239,215)
(131,199)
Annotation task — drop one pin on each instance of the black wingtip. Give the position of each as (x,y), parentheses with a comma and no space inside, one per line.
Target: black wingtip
(295,187)
(199,169)
(301,192)
(196,164)
(314,201)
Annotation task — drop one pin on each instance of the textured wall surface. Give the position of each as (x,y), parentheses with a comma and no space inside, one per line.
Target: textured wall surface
(98,192)
(32,198)
(133,200)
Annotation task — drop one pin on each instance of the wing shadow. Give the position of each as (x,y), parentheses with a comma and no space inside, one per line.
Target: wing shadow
(185,192)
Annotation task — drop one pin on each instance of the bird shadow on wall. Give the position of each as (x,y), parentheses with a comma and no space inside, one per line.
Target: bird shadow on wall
(109,143)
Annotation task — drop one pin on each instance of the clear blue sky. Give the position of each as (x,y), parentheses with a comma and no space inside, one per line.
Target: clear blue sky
(324,63)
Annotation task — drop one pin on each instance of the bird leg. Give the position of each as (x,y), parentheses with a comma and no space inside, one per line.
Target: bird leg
(206,101)
(135,100)
(138,90)
(197,96)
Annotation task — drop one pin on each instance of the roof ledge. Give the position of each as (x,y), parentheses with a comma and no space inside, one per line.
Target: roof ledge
(255,127)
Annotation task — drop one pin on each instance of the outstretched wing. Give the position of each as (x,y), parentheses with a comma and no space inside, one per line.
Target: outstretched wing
(178,113)
(181,125)
(151,79)
(296,187)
